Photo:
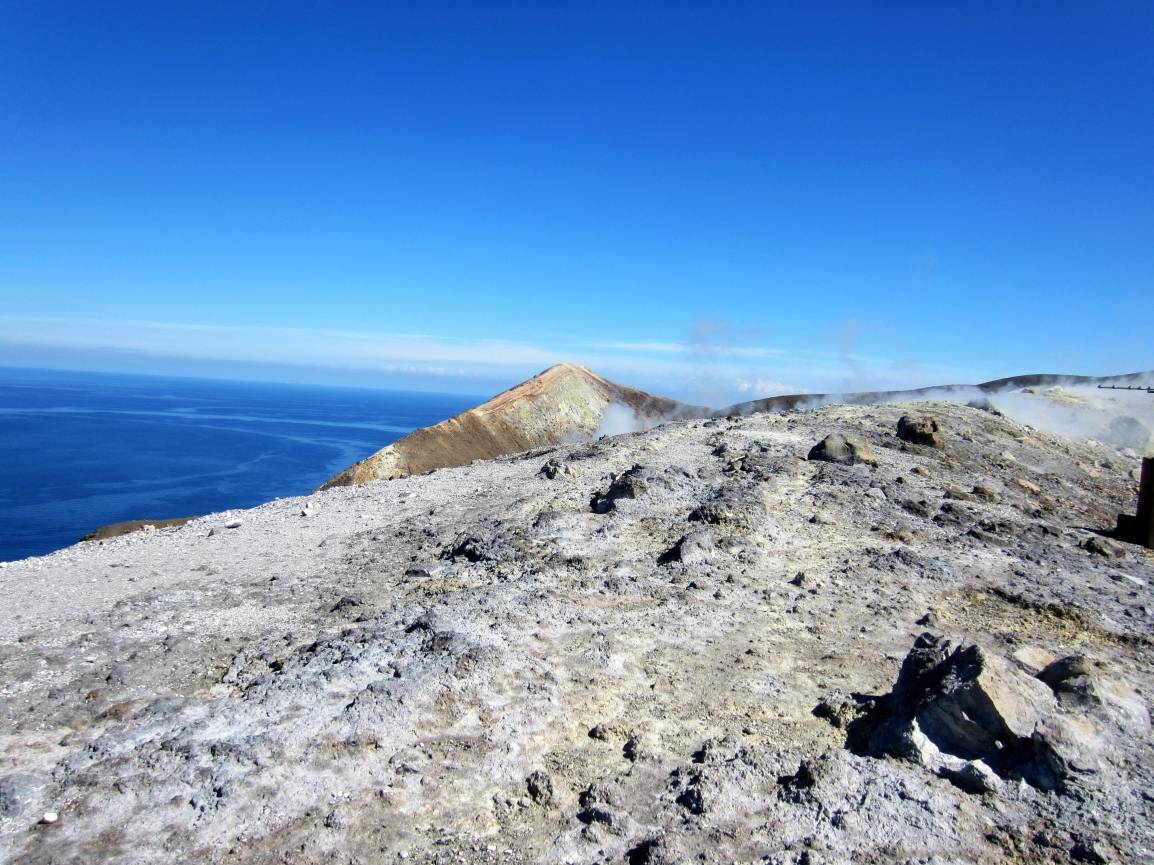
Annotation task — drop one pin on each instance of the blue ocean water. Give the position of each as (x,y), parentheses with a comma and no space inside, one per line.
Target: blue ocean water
(79,450)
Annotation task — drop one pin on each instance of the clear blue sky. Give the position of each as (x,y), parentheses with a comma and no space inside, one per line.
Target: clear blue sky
(718,198)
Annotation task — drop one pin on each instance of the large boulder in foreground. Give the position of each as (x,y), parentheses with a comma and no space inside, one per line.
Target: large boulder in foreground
(976,719)
(966,714)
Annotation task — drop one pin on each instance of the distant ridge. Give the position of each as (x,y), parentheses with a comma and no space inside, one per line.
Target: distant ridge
(553,406)
(798,400)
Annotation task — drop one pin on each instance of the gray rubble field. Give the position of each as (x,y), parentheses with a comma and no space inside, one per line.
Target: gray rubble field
(693,644)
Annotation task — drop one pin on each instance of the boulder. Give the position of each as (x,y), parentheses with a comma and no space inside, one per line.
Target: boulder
(630,484)
(955,704)
(1029,486)
(923,430)
(1033,659)
(845,450)
(984,404)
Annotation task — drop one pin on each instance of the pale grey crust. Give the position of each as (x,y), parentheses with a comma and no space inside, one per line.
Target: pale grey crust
(617,660)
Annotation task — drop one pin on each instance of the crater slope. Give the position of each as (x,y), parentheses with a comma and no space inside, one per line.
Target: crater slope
(714,641)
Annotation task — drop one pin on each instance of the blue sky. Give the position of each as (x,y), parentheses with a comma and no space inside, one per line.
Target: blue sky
(709,200)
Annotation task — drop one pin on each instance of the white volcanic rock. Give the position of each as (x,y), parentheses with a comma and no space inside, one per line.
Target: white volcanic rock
(654,652)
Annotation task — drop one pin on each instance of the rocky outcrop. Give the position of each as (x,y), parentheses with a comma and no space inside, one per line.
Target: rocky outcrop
(564,403)
(115,530)
(967,715)
(978,720)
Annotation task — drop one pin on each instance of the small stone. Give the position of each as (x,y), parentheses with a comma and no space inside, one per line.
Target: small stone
(1028,486)
(540,787)
(632,749)
(554,469)
(589,816)
(600,732)
(1069,667)
(693,548)
(691,800)
(974,777)
(344,603)
(50,817)
(1104,547)
(984,493)
(234,524)
(1089,850)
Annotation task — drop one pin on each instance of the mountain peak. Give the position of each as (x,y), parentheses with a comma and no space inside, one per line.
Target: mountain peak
(563,402)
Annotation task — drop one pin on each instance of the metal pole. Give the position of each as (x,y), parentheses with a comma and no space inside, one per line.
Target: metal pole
(1144,519)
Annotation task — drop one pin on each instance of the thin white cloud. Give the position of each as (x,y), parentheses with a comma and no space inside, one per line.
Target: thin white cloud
(652,347)
(721,374)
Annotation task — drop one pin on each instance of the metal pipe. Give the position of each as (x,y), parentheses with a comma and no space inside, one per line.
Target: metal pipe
(1126,387)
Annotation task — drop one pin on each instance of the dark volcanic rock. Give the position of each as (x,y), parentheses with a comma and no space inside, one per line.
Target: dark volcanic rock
(630,484)
(923,430)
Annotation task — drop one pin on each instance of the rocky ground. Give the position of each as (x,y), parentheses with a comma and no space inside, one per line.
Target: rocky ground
(694,644)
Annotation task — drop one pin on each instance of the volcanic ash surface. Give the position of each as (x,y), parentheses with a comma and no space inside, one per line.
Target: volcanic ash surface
(717,641)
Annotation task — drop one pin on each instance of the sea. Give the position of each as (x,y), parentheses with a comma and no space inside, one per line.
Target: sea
(80,450)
